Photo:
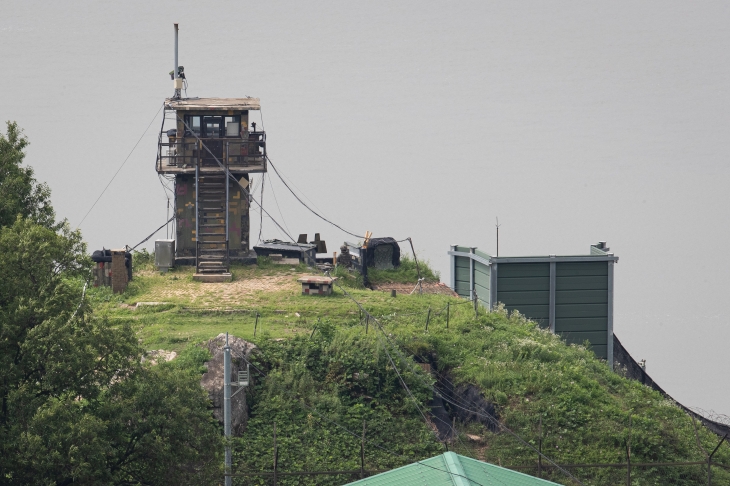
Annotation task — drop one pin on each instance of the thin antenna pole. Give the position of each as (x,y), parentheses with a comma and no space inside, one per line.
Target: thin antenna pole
(175,74)
(497,236)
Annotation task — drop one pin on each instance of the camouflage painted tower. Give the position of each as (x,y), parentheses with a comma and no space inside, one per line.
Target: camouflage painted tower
(207,146)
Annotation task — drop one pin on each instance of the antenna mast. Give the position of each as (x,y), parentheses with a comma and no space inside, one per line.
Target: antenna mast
(176,74)
(497,225)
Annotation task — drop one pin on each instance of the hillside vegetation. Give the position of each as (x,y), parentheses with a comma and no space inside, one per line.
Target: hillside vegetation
(322,370)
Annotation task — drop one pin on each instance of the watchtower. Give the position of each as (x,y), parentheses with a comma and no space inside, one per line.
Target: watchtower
(208,147)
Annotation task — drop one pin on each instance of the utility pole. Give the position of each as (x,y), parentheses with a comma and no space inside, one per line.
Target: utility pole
(227,407)
(242,381)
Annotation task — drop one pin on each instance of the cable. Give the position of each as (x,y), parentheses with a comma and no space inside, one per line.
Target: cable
(483,413)
(271,185)
(305,205)
(152,234)
(245,190)
(120,167)
(261,198)
(355,434)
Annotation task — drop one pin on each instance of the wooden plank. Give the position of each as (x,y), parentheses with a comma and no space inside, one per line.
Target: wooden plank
(532,311)
(524,298)
(579,337)
(569,324)
(511,270)
(574,269)
(581,283)
(581,310)
(581,297)
(521,284)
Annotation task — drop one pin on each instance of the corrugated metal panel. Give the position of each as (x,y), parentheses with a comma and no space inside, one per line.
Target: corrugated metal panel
(450,469)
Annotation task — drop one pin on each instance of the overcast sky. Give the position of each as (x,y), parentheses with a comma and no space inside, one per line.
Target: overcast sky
(572,122)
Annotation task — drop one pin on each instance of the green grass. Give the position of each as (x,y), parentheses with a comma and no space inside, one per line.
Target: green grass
(530,375)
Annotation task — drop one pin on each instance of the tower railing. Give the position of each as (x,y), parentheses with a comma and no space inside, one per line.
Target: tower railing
(179,155)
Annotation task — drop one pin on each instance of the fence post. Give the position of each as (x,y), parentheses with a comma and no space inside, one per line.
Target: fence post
(367,323)
(628,456)
(362,452)
(539,450)
(256,324)
(448,304)
(428,318)
(476,303)
(276,455)
(709,461)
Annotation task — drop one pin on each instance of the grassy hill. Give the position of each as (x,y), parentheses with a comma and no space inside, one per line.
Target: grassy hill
(325,371)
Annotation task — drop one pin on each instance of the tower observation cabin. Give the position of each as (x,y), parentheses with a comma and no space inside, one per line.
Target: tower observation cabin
(208,146)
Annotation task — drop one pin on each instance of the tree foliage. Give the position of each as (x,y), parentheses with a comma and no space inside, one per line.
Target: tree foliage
(20,193)
(78,405)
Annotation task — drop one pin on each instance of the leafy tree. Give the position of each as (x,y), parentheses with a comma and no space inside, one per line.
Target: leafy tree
(20,193)
(78,406)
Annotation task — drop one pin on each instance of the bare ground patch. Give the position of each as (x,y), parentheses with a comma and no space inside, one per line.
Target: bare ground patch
(228,293)
(428,288)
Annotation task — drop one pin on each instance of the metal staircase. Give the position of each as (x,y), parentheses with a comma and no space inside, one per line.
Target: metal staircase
(211,223)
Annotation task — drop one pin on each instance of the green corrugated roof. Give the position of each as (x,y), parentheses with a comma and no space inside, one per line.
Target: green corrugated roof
(450,469)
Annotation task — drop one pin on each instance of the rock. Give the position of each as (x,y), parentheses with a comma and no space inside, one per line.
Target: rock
(157,355)
(212,380)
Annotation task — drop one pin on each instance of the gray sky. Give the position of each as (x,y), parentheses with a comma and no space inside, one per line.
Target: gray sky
(572,122)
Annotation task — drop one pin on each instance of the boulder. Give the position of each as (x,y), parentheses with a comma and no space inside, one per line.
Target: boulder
(212,380)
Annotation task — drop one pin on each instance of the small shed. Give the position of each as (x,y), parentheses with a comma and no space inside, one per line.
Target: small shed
(572,295)
(451,469)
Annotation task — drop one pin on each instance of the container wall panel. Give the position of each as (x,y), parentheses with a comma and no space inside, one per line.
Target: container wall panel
(579,337)
(600,350)
(462,262)
(581,283)
(462,274)
(521,284)
(462,290)
(532,311)
(581,310)
(516,270)
(581,297)
(541,297)
(569,324)
(575,269)
(482,294)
